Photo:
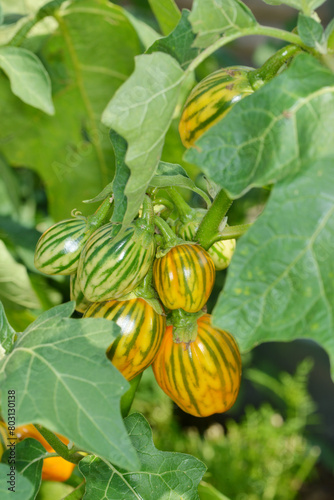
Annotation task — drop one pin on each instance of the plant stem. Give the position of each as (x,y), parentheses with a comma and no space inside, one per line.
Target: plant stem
(128,397)
(209,227)
(58,446)
(254,30)
(148,212)
(231,232)
(270,68)
(101,213)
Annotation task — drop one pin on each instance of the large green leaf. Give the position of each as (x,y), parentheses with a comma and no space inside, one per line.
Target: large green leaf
(72,149)
(280,285)
(141,112)
(210,19)
(28,78)
(161,475)
(268,135)
(29,455)
(167,14)
(64,381)
(21,486)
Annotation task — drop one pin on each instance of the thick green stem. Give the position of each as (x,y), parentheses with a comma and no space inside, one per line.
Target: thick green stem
(253,30)
(58,446)
(209,226)
(231,232)
(182,206)
(270,68)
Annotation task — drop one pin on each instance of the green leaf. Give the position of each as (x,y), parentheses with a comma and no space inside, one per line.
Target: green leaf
(179,43)
(16,291)
(76,148)
(29,455)
(64,381)
(141,112)
(280,284)
(170,174)
(310,31)
(167,14)
(7,334)
(208,492)
(22,485)
(210,19)
(161,474)
(28,78)
(307,6)
(267,135)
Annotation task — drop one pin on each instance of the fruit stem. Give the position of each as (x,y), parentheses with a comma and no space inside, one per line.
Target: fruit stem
(170,239)
(59,446)
(262,75)
(184,210)
(209,227)
(128,397)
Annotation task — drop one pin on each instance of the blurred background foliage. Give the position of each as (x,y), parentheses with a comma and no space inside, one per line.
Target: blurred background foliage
(277,442)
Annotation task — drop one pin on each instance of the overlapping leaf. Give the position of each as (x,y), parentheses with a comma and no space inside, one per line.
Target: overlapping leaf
(306,6)
(64,381)
(167,14)
(161,475)
(21,484)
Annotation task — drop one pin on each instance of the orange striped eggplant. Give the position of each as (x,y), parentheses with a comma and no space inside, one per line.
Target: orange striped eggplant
(142,330)
(184,277)
(201,377)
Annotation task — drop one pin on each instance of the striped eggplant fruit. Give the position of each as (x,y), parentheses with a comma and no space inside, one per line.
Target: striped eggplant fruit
(58,249)
(220,252)
(201,377)
(110,267)
(211,99)
(142,331)
(184,277)
(81,303)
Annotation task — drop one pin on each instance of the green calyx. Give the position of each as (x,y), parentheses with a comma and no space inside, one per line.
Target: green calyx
(184,325)
(102,214)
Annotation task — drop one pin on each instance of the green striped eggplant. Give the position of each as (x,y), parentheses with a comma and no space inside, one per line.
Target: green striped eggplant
(81,303)
(202,377)
(110,267)
(58,249)
(184,277)
(211,99)
(220,252)
(142,331)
